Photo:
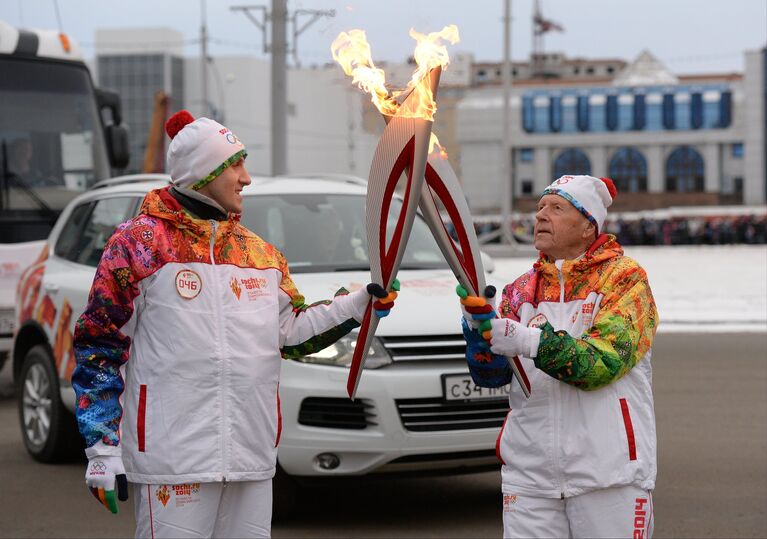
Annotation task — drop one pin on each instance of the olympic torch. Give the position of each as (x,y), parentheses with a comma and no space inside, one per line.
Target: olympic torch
(403,148)
(465,258)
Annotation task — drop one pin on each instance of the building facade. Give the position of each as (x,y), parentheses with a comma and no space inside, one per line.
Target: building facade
(325,120)
(665,140)
(137,63)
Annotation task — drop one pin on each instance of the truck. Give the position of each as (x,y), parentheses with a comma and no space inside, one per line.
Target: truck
(59,135)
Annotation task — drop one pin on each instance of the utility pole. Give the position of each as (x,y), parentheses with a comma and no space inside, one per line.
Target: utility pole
(279,87)
(204,60)
(506,184)
(279,49)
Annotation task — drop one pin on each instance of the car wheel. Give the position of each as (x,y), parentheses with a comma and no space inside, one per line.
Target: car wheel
(284,494)
(48,429)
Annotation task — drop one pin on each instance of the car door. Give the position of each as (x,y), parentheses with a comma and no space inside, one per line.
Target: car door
(70,270)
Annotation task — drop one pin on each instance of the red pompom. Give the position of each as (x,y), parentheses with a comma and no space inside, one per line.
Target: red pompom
(610,187)
(177,122)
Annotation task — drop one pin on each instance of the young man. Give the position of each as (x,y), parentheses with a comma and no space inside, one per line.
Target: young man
(579,456)
(178,351)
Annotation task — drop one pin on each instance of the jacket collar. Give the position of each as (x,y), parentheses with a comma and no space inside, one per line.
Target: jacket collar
(605,247)
(162,204)
(198,207)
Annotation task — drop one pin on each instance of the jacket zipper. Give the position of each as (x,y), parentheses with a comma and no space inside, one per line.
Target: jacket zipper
(224,463)
(558,389)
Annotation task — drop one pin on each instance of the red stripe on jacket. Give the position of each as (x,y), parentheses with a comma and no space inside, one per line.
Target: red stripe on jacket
(629,429)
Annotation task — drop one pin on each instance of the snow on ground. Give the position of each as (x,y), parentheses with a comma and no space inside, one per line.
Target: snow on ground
(697,288)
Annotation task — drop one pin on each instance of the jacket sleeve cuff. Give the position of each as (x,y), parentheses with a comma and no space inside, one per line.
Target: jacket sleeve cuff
(100,449)
(360,300)
(535,341)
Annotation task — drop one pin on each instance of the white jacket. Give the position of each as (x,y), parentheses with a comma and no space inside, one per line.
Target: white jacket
(589,422)
(193,315)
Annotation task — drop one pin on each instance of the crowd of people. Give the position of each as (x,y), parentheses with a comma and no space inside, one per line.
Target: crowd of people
(674,230)
(750,229)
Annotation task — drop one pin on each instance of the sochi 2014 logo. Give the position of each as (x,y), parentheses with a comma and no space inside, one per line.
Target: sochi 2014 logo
(235,286)
(509,501)
(163,494)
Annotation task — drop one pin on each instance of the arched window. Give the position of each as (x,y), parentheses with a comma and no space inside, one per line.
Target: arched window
(628,169)
(571,161)
(684,170)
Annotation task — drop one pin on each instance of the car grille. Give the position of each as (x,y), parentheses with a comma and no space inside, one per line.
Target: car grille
(420,348)
(333,413)
(437,414)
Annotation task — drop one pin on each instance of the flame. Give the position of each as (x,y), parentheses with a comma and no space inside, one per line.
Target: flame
(434,142)
(352,51)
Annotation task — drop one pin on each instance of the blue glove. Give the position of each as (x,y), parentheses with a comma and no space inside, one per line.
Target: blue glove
(486,368)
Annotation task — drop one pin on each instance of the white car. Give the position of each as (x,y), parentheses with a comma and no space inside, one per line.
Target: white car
(416,407)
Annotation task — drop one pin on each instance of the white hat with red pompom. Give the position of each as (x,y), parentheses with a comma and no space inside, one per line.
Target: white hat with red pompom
(199,150)
(591,196)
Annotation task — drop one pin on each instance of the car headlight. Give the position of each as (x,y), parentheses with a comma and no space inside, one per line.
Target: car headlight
(340,354)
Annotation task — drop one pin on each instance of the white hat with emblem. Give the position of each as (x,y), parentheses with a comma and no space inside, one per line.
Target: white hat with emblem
(591,196)
(199,150)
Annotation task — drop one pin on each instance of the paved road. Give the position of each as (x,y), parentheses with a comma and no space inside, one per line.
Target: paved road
(711,405)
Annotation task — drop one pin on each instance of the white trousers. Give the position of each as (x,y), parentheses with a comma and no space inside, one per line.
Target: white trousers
(620,512)
(192,510)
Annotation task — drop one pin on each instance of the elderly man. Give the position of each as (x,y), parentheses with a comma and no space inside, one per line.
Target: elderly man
(579,456)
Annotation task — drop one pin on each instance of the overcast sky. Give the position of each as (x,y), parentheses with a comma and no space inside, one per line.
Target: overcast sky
(689,36)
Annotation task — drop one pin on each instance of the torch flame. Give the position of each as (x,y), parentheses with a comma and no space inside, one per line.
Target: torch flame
(352,51)
(434,142)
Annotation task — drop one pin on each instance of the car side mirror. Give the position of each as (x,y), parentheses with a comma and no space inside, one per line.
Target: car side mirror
(117,145)
(487,262)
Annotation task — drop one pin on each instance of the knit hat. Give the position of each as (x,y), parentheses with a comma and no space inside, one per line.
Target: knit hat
(591,196)
(199,150)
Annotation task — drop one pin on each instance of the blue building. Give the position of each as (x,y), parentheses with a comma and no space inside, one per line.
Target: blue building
(665,140)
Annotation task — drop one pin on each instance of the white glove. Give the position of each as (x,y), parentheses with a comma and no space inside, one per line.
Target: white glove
(101,475)
(510,338)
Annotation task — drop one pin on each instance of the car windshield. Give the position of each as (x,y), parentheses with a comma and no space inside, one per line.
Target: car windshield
(325,232)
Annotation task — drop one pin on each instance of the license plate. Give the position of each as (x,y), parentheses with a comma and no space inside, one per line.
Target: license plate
(6,322)
(462,387)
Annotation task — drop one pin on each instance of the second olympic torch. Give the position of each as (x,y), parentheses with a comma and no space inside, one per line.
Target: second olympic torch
(464,258)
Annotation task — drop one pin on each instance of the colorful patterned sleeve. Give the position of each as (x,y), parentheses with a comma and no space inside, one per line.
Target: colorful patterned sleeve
(101,348)
(621,335)
(307,329)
